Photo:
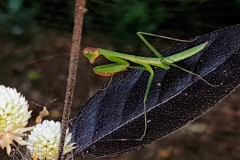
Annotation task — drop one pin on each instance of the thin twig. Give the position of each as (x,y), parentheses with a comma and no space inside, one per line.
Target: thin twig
(75,49)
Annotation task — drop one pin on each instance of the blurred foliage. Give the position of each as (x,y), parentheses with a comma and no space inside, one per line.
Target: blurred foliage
(16,17)
(123,19)
(118,19)
(33,75)
(237,2)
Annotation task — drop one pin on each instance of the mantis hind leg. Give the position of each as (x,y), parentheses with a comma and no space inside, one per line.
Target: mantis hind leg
(200,77)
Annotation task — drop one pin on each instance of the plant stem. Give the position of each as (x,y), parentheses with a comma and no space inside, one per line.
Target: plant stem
(75,49)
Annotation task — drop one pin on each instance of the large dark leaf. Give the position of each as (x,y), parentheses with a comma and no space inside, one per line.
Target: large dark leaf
(117,113)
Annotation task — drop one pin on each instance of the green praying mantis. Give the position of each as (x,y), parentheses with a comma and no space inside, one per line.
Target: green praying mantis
(121,63)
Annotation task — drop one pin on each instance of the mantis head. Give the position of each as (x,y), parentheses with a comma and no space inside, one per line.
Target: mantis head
(91,54)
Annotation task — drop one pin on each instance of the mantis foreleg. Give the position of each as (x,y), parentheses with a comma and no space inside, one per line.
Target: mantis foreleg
(110,69)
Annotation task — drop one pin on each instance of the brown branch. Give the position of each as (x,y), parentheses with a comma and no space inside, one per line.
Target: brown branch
(75,49)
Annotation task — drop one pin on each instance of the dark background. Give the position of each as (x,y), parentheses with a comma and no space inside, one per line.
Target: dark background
(30,31)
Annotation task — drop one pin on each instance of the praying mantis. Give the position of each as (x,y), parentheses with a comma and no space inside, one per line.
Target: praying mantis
(121,63)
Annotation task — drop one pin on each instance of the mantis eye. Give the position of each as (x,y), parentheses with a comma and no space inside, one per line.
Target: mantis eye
(91,54)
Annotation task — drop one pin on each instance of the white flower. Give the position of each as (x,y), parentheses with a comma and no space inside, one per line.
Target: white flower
(14,117)
(43,140)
